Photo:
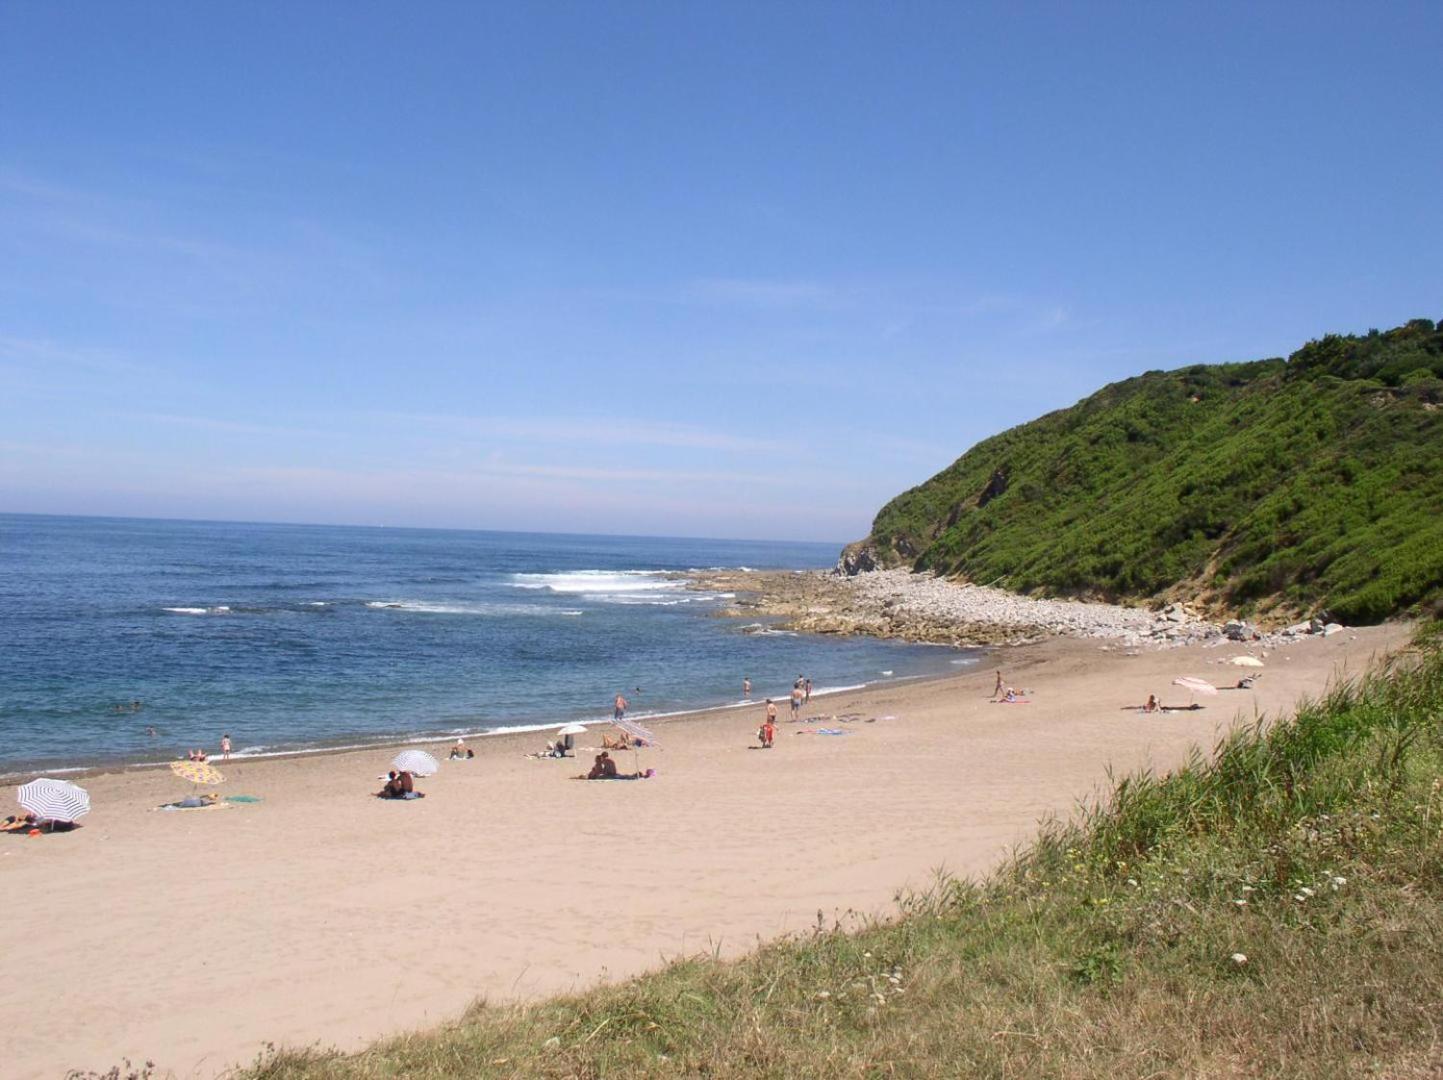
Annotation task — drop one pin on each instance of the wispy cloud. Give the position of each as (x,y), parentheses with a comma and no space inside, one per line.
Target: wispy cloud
(758,292)
(45,355)
(583,430)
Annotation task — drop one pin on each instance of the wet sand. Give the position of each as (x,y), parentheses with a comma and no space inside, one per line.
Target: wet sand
(322,915)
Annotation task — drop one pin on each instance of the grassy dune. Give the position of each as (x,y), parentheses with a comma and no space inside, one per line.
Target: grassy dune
(1272,909)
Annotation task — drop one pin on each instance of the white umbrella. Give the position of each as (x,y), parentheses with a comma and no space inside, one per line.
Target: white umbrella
(1246,661)
(415,762)
(54,800)
(573,729)
(1196,685)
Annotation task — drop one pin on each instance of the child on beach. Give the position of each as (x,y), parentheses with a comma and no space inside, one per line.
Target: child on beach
(767,734)
(225,747)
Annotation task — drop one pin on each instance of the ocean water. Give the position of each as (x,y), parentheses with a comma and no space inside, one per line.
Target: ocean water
(292,637)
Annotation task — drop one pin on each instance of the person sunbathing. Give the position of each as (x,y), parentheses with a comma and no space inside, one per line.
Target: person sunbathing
(1152,705)
(618,742)
(18,823)
(393,788)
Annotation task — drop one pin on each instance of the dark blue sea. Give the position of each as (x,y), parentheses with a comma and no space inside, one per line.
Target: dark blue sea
(290,637)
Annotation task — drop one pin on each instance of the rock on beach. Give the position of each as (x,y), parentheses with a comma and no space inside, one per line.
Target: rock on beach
(921,607)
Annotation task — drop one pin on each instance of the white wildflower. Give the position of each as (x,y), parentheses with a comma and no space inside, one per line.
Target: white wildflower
(1240,958)
(1306,891)
(1241,903)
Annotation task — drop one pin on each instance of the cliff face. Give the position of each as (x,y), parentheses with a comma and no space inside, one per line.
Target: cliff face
(1287,486)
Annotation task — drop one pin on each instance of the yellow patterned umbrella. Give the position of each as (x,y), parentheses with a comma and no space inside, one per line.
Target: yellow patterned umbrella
(197,772)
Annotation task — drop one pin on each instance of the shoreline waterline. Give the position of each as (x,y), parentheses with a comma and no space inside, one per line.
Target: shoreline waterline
(399,741)
(510,856)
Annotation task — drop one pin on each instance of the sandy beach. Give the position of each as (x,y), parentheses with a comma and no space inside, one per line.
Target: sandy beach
(321,915)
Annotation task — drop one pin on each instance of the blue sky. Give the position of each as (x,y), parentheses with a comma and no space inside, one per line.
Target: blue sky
(674,268)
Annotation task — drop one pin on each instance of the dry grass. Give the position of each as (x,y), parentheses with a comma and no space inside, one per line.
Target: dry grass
(1105,951)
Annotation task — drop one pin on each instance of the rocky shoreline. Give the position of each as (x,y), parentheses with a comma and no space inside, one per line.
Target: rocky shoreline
(923,608)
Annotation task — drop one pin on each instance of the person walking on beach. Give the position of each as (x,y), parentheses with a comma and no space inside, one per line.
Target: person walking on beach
(796,701)
(618,710)
(225,747)
(771,712)
(806,691)
(997,689)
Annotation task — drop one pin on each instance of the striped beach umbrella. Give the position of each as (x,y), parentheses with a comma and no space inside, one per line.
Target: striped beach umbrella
(1196,685)
(638,734)
(197,772)
(415,762)
(635,730)
(54,800)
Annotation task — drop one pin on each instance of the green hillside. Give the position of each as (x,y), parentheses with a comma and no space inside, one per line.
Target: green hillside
(1289,486)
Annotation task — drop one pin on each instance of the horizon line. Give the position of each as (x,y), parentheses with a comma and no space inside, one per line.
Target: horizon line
(420,528)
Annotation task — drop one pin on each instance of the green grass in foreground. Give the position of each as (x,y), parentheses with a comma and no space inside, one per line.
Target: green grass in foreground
(1113,947)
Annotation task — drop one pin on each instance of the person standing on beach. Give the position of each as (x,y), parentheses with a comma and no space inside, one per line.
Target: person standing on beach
(771,712)
(796,701)
(618,710)
(746,689)
(806,691)
(997,690)
(225,747)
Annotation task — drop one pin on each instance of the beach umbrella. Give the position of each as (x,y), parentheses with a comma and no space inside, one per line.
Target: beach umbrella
(1246,661)
(636,731)
(1196,685)
(415,762)
(569,731)
(197,772)
(54,800)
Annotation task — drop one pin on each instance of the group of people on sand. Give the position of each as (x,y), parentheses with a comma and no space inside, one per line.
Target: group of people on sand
(603,767)
(399,785)
(462,752)
(31,824)
(1007,695)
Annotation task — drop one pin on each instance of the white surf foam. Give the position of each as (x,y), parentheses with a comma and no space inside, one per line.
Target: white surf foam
(433,607)
(599,582)
(220,609)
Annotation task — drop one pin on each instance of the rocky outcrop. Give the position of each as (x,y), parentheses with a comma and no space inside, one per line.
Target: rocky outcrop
(921,607)
(858,558)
